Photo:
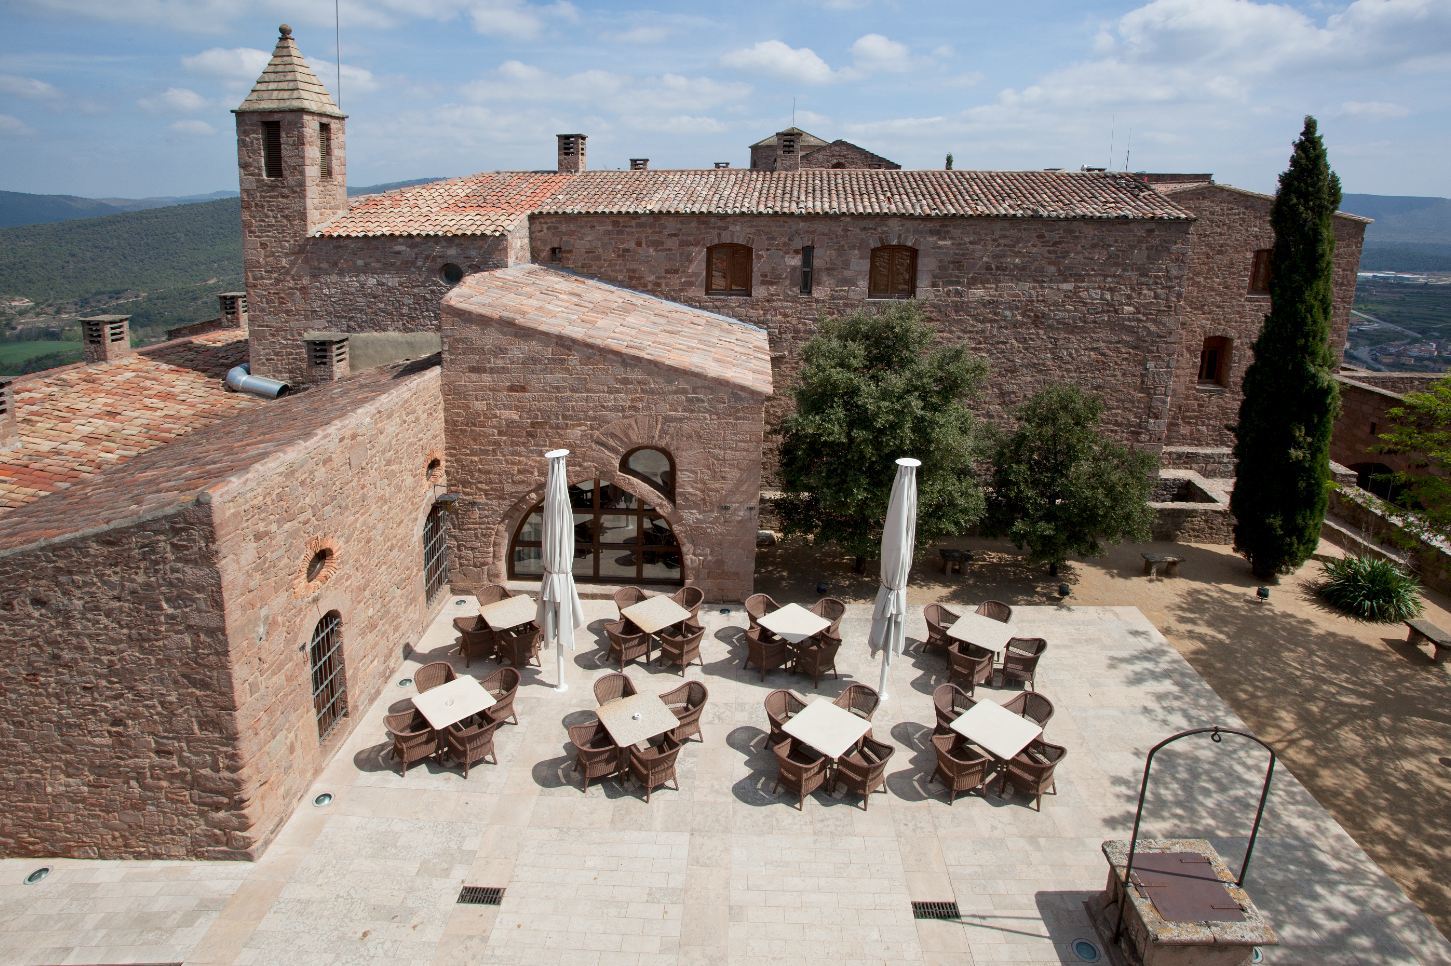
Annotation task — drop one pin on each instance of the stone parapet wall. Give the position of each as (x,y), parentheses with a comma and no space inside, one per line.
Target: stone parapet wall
(1366,520)
(1212,462)
(1365,405)
(119,737)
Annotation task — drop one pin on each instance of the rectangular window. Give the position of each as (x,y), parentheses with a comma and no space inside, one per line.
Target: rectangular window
(728,270)
(272,149)
(1214,361)
(1259,273)
(893,272)
(325,150)
(808,267)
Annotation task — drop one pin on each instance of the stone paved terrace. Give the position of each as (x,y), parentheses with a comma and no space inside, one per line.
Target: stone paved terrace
(722,871)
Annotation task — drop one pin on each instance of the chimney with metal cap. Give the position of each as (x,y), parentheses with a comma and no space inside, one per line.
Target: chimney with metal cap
(9,428)
(788,151)
(639,164)
(106,338)
(327,356)
(233,307)
(722,164)
(571,153)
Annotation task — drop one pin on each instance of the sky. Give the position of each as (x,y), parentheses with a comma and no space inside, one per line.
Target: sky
(132,98)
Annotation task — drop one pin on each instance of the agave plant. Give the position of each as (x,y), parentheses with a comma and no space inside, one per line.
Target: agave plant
(1371,588)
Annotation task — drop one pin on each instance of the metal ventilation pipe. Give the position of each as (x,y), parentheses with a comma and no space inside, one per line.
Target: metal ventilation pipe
(240,379)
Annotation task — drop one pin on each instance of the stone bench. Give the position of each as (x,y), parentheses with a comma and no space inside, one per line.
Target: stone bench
(1167,563)
(1425,631)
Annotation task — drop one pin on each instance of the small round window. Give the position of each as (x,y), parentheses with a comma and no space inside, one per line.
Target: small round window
(318,564)
(452,274)
(652,466)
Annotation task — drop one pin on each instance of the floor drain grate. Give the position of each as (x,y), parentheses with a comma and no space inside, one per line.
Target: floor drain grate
(481,895)
(935,910)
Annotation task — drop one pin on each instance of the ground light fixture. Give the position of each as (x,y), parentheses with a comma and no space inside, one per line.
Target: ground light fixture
(1086,950)
(37,875)
(1063,591)
(323,800)
(1263,593)
(404,682)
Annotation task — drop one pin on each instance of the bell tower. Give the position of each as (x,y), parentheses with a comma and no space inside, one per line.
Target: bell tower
(292,164)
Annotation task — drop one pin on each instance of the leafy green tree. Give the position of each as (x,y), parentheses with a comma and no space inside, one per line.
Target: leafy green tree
(1060,487)
(949,160)
(873,388)
(1421,428)
(1282,440)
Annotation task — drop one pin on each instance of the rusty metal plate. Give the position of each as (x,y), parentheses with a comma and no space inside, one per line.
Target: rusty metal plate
(1183,888)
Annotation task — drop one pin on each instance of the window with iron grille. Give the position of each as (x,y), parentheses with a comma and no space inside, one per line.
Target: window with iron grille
(893,272)
(325,151)
(808,268)
(435,552)
(272,149)
(728,270)
(1259,273)
(329,682)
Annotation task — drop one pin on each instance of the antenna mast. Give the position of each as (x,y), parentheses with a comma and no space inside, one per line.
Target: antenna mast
(1112,126)
(338,49)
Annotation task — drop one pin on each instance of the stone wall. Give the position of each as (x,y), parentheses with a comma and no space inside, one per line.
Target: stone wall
(1094,303)
(844,154)
(1358,522)
(118,735)
(510,394)
(1231,225)
(358,489)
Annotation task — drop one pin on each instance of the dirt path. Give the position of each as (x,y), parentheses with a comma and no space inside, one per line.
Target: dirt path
(1360,717)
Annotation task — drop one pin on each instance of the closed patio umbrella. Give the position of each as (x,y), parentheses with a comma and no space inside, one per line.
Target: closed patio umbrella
(560,611)
(899,538)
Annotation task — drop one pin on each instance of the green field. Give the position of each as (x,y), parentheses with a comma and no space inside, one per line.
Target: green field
(15,355)
(1425,309)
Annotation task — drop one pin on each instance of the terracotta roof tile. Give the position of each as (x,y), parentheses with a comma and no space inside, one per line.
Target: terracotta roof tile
(604,316)
(76,421)
(494,203)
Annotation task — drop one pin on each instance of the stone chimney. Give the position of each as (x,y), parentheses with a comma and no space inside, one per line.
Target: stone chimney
(9,425)
(233,307)
(639,164)
(788,151)
(106,337)
(571,153)
(722,164)
(327,356)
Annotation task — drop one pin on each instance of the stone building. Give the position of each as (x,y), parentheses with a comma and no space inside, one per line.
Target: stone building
(794,149)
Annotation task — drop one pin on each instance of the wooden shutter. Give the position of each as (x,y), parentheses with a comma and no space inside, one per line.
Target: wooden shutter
(1259,274)
(728,270)
(893,272)
(272,149)
(325,151)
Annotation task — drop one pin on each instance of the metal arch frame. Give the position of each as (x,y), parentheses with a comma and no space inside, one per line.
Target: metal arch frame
(1216,735)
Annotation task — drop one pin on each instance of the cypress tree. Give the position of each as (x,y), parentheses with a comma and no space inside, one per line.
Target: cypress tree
(1282,440)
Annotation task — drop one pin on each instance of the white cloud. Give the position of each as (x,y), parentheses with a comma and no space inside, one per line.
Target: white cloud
(776,59)
(874,52)
(519,20)
(637,96)
(28,88)
(193,126)
(231,64)
(356,80)
(812,118)
(1377,110)
(174,99)
(640,35)
(13,126)
(674,124)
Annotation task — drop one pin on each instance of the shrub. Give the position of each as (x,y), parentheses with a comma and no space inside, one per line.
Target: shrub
(1372,589)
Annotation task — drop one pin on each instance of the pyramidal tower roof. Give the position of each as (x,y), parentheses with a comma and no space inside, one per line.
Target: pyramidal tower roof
(288,84)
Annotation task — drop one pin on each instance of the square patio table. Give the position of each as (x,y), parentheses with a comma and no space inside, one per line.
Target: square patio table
(827,728)
(985,632)
(655,613)
(636,718)
(509,612)
(794,623)
(1002,733)
(452,702)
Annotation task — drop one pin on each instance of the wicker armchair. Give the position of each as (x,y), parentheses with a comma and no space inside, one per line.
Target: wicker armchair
(1031,770)
(612,687)
(758,606)
(860,699)
(1020,660)
(864,769)
(520,645)
(628,597)
(969,665)
(781,707)
(1031,705)
(939,619)
(831,609)
(476,639)
(471,740)
(656,765)
(959,767)
(683,648)
(817,659)
(626,641)
(690,598)
(950,702)
(413,739)
(799,768)
(687,702)
(766,653)
(595,753)
(494,593)
(995,609)
(503,684)
(432,675)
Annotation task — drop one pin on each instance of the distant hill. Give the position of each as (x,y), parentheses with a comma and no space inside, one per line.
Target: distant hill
(1410,234)
(18,208)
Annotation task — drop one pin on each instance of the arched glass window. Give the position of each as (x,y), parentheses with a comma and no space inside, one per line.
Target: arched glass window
(728,269)
(651,466)
(893,272)
(329,682)
(617,540)
(1214,359)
